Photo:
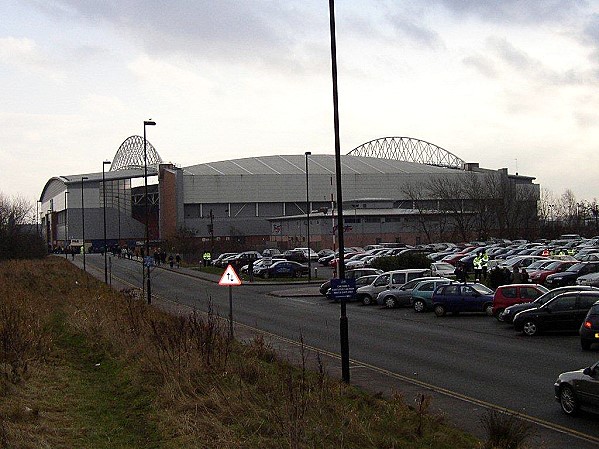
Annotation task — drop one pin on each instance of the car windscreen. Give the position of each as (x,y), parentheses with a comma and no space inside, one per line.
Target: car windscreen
(576,267)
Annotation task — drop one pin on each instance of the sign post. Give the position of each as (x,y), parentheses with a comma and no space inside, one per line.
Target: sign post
(230,278)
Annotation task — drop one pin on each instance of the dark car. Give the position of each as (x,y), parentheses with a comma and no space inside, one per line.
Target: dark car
(539,276)
(510,312)
(569,276)
(287,268)
(456,298)
(589,330)
(564,313)
(350,274)
(574,389)
(296,255)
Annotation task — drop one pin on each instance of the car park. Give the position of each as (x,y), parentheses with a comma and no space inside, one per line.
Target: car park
(589,330)
(508,295)
(510,312)
(401,296)
(286,268)
(351,274)
(578,389)
(390,279)
(220,260)
(264,262)
(564,313)
(591,279)
(569,276)
(466,297)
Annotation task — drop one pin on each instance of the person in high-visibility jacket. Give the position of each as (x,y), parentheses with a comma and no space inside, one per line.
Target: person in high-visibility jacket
(478,266)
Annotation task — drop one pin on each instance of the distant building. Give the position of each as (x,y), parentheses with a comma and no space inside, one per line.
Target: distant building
(259,202)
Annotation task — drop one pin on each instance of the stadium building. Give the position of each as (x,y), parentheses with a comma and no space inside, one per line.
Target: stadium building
(265,201)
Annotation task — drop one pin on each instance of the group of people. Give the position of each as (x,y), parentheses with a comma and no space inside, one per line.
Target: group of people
(161,258)
(496,276)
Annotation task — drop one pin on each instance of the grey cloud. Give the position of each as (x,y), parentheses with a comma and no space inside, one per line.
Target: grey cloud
(516,11)
(264,32)
(419,34)
(481,63)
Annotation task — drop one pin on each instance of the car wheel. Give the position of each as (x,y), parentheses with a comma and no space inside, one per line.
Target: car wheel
(489,309)
(419,306)
(568,401)
(390,302)
(530,328)
(266,275)
(439,310)
(499,315)
(366,300)
(586,344)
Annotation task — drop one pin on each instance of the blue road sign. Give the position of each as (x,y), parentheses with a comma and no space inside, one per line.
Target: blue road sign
(343,288)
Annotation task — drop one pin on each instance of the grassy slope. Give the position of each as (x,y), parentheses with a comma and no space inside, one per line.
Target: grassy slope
(104,370)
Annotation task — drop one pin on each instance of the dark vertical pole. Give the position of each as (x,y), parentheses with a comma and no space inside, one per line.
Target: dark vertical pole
(104,163)
(343,322)
(66,220)
(307,153)
(231,312)
(151,123)
(211,234)
(37,218)
(83,222)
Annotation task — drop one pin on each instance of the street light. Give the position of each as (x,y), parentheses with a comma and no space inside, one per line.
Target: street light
(308,153)
(343,322)
(66,220)
(147,123)
(83,178)
(104,164)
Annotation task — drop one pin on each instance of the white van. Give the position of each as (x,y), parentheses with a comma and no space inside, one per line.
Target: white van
(391,279)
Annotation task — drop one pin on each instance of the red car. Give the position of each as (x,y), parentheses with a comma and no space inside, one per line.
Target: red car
(508,295)
(539,276)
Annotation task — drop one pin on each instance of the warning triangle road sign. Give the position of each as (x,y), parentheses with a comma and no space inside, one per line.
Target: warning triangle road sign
(229,277)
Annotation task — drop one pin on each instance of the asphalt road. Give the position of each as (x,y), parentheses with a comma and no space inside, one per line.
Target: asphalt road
(471,362)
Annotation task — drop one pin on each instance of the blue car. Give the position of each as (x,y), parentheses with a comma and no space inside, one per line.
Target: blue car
(466,297)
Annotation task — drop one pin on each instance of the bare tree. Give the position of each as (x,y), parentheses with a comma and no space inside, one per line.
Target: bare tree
(18,236)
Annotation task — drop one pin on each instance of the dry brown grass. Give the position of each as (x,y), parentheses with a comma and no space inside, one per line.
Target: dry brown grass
(86,366)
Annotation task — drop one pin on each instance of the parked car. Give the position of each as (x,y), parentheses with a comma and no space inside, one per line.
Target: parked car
(442,269)
(287,268)
(400,296)
(576,389)
(563,313)
(508,295)
(538,276)
(257,264)
(397,278)
(591,279)
(296,255)
(243,258)
(219,261)
(351,274)
(360,282)
(569,276)
(589,330)
(510,312)
(466,297)
(422,293)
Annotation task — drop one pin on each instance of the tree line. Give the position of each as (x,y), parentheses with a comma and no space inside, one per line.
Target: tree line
(19,235)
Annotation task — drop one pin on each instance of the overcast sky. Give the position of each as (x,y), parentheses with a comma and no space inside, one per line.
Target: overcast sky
(507,83)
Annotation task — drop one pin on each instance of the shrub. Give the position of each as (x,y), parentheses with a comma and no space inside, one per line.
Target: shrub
(403,261)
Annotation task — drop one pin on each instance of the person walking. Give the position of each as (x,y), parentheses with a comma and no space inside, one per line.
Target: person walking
(178,260)
(171,260)
(516,276)
(485,264)
(478,267)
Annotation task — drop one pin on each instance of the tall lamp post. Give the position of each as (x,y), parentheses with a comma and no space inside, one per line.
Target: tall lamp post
(343,322)
(83,178)
(147,123)
(104,164)
(66,220)
(306,154)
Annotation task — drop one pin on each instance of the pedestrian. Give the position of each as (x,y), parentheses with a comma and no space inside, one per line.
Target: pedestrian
(478,266)
(485,264)
(72,253)
(171,260)
(178,260)
(460,273)
(524,276)
(516,276)
(251,270)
